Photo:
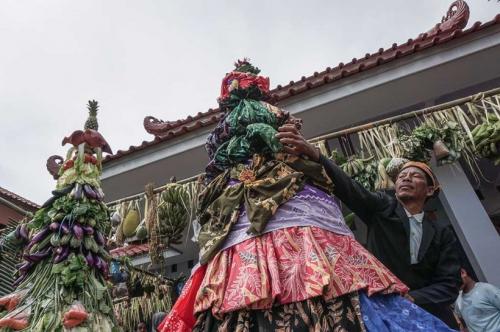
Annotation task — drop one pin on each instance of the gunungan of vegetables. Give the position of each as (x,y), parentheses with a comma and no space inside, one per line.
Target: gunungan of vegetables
(61,282)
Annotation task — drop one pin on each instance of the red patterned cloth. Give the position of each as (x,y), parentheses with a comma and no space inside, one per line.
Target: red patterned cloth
(181,317)
(291,265)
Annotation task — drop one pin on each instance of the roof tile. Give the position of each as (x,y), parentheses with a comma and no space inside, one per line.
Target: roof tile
(165,131)
(9,195)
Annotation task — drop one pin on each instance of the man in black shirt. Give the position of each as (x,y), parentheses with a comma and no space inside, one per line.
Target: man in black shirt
(420,252)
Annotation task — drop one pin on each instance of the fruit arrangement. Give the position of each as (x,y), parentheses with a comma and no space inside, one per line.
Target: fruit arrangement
(364,171)
(353,166)
(61,283)
(486,138)
(173,213)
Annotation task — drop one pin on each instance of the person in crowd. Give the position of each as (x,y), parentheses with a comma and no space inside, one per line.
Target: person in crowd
(478,304)
(420,252)
(141,327)
(156,320)
(275,250)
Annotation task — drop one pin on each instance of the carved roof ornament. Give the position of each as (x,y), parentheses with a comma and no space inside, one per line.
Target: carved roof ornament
(157,127)
(456,18)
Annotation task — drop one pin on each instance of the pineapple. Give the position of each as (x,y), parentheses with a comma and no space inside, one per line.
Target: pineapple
(91,122)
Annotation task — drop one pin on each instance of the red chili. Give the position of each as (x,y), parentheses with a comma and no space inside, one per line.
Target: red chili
(68,164)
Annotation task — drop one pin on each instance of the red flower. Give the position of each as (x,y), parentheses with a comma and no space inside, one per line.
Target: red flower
(244,81)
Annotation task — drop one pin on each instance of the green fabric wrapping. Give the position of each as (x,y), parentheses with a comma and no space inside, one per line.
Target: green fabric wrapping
(259,138)
(253,130)
(274,182)
(262,138)
(249,112)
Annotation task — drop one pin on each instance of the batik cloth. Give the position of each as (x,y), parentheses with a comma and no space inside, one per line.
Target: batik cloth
(290,265)
(263,186)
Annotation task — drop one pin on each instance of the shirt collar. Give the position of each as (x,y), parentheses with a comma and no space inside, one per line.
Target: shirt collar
(418,217)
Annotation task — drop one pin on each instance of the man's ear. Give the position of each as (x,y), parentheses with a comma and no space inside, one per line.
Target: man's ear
(431,190)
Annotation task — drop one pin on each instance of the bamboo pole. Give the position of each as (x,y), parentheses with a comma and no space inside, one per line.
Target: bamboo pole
(352,130)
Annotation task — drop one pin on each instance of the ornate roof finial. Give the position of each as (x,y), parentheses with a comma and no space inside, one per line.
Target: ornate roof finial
(157,127)
(456,18)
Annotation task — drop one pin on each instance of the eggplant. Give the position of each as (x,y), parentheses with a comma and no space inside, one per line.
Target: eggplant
(105,269)
(88,230)
(63,191)
(78,231)
(99,239)
(98,262)
(49,202)
(90,259)
(23,231)
(100,194)
(35,258)
(78,191)
(18,232)
(72,192)
(59,250)
(38,237)
(25,267)
(64,227)
(89,192)
(62,256)
(54,226)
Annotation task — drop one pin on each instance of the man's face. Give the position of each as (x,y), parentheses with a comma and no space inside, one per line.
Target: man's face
(411,184)
(463,276)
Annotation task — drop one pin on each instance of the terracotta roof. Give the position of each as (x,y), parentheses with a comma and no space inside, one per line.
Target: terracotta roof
(130,250)
(449,29)
(18,200)
(175,129)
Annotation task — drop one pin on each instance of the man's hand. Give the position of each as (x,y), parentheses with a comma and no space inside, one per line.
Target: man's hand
(294,143)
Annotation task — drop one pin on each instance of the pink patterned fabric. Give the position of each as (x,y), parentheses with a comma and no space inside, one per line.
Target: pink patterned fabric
(291,265)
